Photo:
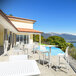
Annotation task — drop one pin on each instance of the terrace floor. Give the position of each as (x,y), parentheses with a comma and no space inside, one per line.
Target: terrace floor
(45,71)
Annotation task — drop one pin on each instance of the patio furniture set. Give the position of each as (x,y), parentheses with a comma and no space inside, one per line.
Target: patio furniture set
(19,65)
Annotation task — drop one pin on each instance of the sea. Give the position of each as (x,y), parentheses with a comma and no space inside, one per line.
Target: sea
(74,44)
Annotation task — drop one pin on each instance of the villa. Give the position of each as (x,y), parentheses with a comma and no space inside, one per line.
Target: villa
(15,29)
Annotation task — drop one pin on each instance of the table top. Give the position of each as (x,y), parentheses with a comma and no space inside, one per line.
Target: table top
(19,68)
(51,45)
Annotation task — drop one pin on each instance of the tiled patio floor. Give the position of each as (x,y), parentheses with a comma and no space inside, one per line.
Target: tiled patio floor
(45,71)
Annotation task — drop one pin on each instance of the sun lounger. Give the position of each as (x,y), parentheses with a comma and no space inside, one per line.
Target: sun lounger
(19,68)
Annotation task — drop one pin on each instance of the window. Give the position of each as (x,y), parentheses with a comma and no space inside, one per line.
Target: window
(23,38)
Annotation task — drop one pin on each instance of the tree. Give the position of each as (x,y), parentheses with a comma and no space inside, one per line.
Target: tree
(36,38)
(56,40)
(10,15)
(70,45)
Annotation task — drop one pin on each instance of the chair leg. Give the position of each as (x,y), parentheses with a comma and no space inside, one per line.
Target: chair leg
(45,56)
(39,58)
(43,59)
(59,61)
(67,64)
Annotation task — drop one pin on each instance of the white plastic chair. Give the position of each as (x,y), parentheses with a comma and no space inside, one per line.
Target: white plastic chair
(17,43)
(43,51)
(5,47)
(28,48)
(35,47)
(65,56)
(21,45)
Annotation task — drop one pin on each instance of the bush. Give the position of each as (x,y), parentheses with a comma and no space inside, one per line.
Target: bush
(72,52)
(70,45)
(56,40)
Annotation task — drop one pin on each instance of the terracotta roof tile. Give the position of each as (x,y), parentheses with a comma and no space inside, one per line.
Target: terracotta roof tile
(28,30)
(21,18)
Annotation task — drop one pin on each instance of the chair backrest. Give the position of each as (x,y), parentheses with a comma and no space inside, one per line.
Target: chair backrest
(21,45)
(5,46)
(66,52)
(5,43)
(43,48)
(17,43)
(35,45)
(29,46)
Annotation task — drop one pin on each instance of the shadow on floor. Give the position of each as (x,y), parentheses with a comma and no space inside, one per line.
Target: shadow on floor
(55,68)
(41,62)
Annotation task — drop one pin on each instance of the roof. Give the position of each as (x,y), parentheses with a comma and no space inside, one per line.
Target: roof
(21,18)
(28,30)
(5,17)
(18,29)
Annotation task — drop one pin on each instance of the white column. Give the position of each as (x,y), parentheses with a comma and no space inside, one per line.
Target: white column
(23,38)
(19,38)
(40,39)
(11,40)
(15,39)
(29,38)
(26,39)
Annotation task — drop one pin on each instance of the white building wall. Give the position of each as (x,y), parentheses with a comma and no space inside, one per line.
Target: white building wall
(25,25)
(22,25)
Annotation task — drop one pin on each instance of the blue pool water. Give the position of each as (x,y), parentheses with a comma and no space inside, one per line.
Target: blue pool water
(54,51)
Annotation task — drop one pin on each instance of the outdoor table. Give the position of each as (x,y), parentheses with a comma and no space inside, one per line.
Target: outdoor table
(49,53)
(19,68)
(44,52)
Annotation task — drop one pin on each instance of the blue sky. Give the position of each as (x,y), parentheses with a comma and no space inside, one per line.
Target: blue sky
(51,15)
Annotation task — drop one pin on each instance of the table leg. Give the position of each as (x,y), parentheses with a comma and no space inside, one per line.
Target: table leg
(43,58)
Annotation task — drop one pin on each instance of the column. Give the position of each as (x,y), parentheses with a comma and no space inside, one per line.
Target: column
(26,39)
(15,39)
(40,39)
(23,38)
(11,40)
(19,39)
(5,34)
(29,38)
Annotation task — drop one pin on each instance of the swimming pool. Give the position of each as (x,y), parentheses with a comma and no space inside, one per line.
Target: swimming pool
(54,51)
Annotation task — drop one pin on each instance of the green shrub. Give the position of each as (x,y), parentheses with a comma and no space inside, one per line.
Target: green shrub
(56,40)
(70,45)
(72,52)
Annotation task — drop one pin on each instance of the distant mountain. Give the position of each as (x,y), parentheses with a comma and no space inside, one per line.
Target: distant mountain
(64,35)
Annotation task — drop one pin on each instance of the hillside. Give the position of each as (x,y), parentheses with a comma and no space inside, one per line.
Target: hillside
(64,35)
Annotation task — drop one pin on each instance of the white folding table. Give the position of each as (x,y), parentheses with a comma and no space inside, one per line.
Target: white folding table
(49,53)
(19,68)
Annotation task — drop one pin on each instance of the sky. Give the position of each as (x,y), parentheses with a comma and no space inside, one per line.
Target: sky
(51,15)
